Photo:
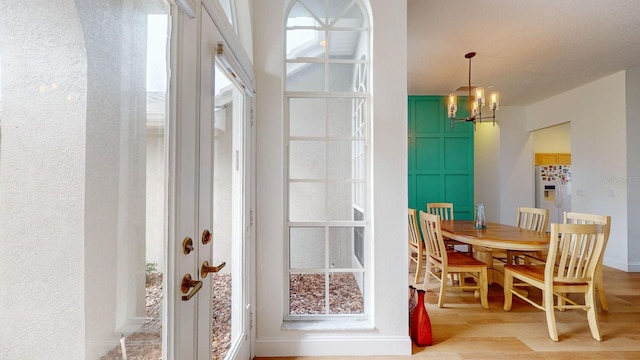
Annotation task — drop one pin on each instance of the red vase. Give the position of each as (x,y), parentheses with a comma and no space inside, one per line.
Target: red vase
(420,323)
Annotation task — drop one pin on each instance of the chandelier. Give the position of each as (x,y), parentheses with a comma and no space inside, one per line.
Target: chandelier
(475,103)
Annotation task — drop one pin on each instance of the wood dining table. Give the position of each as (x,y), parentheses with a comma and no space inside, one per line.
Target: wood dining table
(495,237)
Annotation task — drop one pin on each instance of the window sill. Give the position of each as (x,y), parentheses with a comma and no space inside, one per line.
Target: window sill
(326,325)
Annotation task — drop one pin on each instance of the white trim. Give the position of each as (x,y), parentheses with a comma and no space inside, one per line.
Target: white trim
(236,50)
(188,7)
(622,265)
(352,345)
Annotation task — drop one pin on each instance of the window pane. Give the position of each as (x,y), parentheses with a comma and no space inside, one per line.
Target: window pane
(307,201)
(342,77)
(341,254)
(307,117)
(339,201)
(345,293)
(317,8)
(339,117)
(347,45)
(306,294)
(339,164)
(305,43)
(305,77)
(306,248)
(227,6)
(349,16)
(307,159)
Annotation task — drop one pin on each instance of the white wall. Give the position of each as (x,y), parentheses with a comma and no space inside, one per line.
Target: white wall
(516,163)
(390,264)
(554,139)
(504,165)
(597,112)
(42,186)
(633,166)
(487,169)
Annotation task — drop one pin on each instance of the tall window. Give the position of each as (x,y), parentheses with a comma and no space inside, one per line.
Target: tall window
(327,159)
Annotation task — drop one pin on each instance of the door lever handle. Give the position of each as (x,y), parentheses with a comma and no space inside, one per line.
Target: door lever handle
(206,269)
(188,283)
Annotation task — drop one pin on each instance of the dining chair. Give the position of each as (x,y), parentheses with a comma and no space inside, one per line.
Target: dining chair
(445,210)
(574,253)
(605,221)
(529,218)
(416,245)
(441,263)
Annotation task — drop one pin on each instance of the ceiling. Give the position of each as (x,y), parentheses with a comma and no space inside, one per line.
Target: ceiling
(526,50)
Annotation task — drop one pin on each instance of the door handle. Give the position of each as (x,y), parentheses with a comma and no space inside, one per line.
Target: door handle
(206,269)
(188,283)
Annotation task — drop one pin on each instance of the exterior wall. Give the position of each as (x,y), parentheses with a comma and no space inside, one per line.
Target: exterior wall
(388,290)
(42,181)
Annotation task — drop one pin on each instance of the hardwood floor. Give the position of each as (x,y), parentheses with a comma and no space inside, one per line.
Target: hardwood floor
(463,330)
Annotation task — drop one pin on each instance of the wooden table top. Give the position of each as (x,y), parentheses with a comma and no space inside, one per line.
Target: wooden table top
(496,236)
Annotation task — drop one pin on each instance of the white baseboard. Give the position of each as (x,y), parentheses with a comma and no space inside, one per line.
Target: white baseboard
(619,264)
(334,346)
(634,267)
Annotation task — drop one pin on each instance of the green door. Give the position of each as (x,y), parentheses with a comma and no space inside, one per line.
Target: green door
(440,160)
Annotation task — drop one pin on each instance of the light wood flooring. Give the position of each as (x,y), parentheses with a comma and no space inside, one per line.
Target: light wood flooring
(463,330)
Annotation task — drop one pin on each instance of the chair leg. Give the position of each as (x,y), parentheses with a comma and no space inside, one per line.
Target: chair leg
(418,268)
(507,286)
(484,289)
(427,276)
(443,288)
(547,301)
(592,315)
(600,288)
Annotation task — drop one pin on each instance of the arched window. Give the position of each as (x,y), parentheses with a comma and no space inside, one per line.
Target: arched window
(327,101)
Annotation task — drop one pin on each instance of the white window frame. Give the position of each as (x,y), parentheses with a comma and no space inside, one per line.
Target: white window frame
(361,167)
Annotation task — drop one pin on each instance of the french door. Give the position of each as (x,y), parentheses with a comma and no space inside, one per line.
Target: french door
(210,221)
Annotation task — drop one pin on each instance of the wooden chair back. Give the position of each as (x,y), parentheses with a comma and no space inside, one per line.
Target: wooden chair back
(415,240)
(605,221)
(416,245)
(584,218)
(576,249)
(434,243)
(532,218)
(445,210)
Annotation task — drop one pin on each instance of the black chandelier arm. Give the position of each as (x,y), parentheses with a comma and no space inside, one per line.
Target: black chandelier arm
(478,118)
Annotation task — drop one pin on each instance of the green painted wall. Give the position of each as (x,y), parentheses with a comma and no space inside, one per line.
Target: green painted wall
(440,160)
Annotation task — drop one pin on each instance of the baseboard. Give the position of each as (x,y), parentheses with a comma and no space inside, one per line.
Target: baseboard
(334,346)
(620,265)
(634,267)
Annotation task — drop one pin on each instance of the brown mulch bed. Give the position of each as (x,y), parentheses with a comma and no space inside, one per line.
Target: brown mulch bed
(307,295)
(146,343)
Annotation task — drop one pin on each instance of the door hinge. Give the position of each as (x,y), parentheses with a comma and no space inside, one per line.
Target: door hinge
(251,217)
(251,117)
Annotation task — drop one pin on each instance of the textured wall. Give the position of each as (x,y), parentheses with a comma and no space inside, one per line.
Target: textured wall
(42,181)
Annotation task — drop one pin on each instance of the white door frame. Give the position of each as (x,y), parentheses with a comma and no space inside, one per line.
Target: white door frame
(189,210)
